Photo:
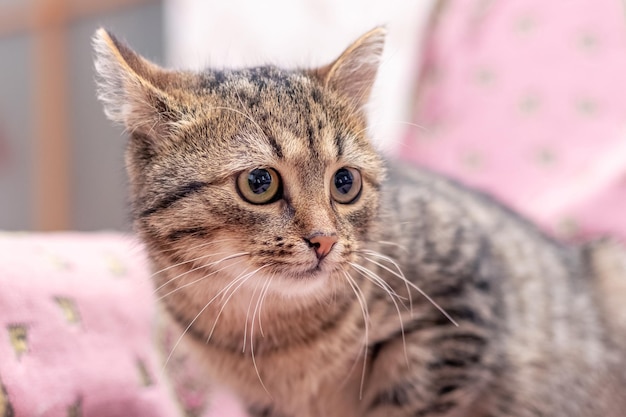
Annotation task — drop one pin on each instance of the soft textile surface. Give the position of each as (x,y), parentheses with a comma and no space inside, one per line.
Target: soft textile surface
(77,334)
(527,99)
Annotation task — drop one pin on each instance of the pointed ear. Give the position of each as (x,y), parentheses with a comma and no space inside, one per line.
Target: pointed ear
(132,89)
(354,72)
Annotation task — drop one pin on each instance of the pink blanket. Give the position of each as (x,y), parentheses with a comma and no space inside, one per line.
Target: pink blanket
(527,99)
(77,335)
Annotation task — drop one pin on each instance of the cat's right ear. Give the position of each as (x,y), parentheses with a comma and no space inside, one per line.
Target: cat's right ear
(133,90)
(354,72)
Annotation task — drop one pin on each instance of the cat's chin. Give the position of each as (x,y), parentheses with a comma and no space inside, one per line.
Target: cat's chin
(303,285)
(303,282)
(306,279)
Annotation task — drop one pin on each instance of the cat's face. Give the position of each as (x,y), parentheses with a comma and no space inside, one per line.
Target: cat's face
(249,173)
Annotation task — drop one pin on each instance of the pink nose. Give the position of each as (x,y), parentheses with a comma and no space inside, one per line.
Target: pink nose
(322,244)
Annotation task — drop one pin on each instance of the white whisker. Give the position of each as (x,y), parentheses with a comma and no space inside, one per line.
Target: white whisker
(378,281)
(366,320)
(386,242)
(406,281)
(195,281)
(387,122)
(194,259)
(188,261)
(368,274)
(242,114)
(264,292)
(245,327)
(256,310)
(239,278)
(226,258)
(248,115)
(219,314)
(388,259)
(254,315)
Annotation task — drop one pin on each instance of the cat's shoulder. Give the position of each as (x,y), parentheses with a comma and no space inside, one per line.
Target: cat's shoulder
(606,259)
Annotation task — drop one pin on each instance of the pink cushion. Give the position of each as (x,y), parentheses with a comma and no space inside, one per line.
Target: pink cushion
(77,316)
(527,99)
(75,327)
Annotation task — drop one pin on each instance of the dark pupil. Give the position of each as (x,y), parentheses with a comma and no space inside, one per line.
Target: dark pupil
(343,181)
(259,181)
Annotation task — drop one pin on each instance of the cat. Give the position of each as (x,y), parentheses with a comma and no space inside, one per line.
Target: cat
(315,278)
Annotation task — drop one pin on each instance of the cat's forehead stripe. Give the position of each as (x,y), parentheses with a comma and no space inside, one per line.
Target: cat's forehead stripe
(290,118)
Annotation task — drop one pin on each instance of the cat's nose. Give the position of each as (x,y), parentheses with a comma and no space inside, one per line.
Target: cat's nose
(322,244)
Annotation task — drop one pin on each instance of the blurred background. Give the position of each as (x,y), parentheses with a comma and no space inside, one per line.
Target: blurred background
(61,161)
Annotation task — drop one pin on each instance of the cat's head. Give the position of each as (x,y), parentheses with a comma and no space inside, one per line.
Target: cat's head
(261,170)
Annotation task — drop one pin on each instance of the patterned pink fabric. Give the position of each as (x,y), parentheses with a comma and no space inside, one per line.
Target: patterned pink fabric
(77,316)
(527,99)
(75,328)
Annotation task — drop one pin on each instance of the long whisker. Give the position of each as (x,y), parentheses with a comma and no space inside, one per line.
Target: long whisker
(263,296)
(386,242)
(219,314)
(239,278)
(356,360)
(248,116)
(406,281)
(245,327)
(187,261)
(226,258)
(387,122)
(256,368)
(214,242)
(378,281)
(195,281)
(242,114)
(368,274)
(366,320)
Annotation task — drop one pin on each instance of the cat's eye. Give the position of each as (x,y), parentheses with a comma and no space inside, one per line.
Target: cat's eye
(345,186)
(259,186)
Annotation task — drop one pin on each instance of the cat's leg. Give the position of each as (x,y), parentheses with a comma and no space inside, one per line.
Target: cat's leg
(439,372)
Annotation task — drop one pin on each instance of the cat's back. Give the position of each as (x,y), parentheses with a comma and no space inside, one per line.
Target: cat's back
(607,262)
(421,205)
(555,314)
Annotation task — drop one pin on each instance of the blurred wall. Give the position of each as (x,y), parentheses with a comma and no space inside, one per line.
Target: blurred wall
(16,146)
(91,189)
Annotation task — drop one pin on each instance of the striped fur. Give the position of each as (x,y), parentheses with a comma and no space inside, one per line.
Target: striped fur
(433,301)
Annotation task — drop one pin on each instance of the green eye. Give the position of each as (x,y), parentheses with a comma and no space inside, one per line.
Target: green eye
(345,186)
(259,186)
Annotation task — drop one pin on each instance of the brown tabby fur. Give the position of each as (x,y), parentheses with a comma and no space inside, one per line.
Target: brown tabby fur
(540,324)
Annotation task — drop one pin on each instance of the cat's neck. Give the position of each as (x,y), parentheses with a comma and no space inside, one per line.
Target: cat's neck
(268,320)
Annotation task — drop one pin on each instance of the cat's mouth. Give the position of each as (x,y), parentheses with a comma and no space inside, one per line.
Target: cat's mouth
(301,266)
(305,280)
(319,269)
(315,271)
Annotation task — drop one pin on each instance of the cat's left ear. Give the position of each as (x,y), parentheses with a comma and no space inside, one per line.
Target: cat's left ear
(354,72)
(134,91)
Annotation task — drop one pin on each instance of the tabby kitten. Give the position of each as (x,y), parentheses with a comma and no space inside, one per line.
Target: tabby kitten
(314,281)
